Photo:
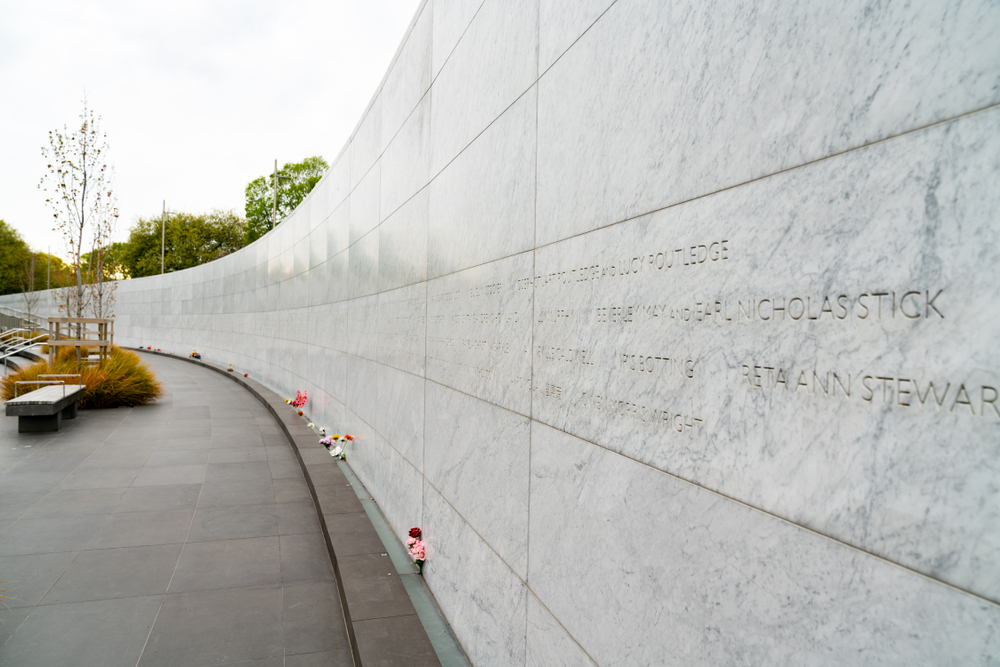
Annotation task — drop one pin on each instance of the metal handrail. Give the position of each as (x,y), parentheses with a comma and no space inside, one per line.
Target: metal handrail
(39,382)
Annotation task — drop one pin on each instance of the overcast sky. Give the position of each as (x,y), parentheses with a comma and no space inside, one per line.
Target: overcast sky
(197,98)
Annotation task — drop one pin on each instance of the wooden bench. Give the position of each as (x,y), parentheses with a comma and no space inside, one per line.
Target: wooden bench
(45,408)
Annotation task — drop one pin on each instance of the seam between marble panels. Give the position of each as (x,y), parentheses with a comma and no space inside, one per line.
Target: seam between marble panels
(778,517)
(578,38)
(559,623)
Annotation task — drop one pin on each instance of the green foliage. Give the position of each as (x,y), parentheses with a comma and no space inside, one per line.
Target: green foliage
(112,264)
(121,380)
(13,254)
(295,181)
(190,240)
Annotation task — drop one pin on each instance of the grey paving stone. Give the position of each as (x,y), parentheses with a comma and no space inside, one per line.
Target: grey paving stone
(234,522)
(313,619)
(352,534)
(99,478)
(118,457)
(326,474)
(338,499)
(31,482)
(297,518)
(195,413)
(316,455)
(12,619)
(183,443)
(215,627)
(230,472)
(159,498)
(341,658)
(13,504)
(36,536)
(290,490)
(116,573)
(372,587)
(178,457)
(305,558)
(286,470)
(30,577)
(77,501)
(134,529)
(83,634)
(227,564)
(252,492)
(250,454)
(171,475)
(396,640)
(64,464)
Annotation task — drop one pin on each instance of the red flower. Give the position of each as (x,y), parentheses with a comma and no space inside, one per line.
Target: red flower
(414,532)
(244,375)
(349,437)
(300,413)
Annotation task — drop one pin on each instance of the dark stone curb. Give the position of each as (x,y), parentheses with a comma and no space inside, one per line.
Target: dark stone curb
(382,624)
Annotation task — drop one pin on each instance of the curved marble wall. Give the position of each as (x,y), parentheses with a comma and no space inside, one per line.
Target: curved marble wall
(671,323)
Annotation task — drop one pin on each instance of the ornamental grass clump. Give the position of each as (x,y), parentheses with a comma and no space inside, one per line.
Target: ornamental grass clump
(121,380)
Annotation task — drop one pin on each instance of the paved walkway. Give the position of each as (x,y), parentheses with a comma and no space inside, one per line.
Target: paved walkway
(177,534)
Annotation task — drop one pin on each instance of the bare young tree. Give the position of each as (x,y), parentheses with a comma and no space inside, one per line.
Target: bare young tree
(78,185)
(29,296)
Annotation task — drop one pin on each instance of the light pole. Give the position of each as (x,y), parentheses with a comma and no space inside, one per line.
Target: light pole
(163,233)
(274,213)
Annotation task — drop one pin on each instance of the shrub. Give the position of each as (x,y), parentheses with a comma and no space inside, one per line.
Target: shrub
(121,380)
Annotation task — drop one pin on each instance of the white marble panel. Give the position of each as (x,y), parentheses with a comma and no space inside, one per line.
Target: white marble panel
(363,266)
(365,204)
(405,165)
(317,245)
(400,418)
(561,22)
(338,229)
(476,456)
(647,110)
(362,389)
(676,362)
(479,331)
(366,145)
(493,65)
(451,19)
(482,207)
(402,244)
(643,568)
(484,601)
(409,78)
(402,328)
(338,179)
(402,501)
(362,327)
(548,644)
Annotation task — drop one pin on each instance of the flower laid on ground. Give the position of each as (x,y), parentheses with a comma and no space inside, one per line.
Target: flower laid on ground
(288,400)
(322,429)
(300,413)
(195,355)
(245,374)
(230,369)
(331,444)
(311,425)
(415,547)
(300,399)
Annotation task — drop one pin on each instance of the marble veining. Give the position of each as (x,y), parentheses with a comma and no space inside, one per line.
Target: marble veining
(635,308)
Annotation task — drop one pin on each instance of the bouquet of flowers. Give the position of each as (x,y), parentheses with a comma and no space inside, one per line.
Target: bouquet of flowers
(300,399)
(415,547)
(336,450)
(195,355)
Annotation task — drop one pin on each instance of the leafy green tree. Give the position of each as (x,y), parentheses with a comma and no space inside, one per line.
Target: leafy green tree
(13,253)
(295,181)
(111,261)
(190,240)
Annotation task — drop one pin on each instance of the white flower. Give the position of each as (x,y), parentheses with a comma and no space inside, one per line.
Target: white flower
(311,425)
(322,429)
(336,451)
